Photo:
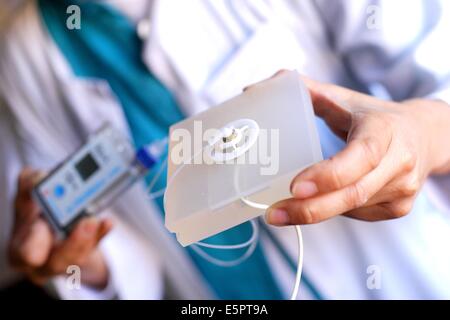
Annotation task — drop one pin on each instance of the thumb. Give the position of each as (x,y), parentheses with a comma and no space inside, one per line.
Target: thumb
(31,245)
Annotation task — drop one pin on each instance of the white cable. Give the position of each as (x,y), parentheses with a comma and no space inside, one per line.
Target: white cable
(152,183)
(255,204)
(222,263)
(252,239)
(155,150)
(196,247)
(298,274)
(157,194)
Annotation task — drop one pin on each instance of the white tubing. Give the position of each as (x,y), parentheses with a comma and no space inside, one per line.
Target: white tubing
(298,275)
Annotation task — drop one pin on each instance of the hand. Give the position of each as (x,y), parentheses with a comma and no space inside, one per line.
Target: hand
(34,250)
(391,149)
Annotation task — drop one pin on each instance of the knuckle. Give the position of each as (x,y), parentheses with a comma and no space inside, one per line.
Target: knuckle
(307,215)
(408,161)
(356,196)
(401,210)
(411,187)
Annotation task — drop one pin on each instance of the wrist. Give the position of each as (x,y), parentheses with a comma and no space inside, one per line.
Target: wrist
(435,116)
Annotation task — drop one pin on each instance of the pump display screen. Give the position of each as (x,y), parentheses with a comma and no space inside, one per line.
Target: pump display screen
(86,167)
(79,182)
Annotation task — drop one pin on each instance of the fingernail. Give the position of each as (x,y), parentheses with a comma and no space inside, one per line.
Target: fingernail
(277,217)
(90,226)
(304,189)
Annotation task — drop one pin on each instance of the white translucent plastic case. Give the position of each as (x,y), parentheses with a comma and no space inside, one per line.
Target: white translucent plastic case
(205,196)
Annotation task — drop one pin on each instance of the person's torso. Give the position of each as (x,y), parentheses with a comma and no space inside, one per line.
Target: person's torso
(244,46)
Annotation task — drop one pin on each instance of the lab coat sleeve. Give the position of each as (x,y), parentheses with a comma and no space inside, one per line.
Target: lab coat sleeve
(390,48)
(10,165)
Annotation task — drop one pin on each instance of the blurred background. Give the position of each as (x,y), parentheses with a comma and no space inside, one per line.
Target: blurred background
(68,66)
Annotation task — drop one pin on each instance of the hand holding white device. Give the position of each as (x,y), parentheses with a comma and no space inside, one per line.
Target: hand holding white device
(249,147)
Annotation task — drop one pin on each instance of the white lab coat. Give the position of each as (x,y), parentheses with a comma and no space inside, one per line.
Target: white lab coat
(205,52)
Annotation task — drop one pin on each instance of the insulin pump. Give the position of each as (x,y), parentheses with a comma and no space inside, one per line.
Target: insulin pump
(92,177)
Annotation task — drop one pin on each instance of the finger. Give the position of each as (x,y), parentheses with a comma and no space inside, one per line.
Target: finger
(27,178)
(370,213)
(31,247)
(330,107)
(365,150)
(26,209)
(358,158)
(337,105)
(314,210)
(385,211)
(326,95)
(77,247)
(31,239)
(405,186)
